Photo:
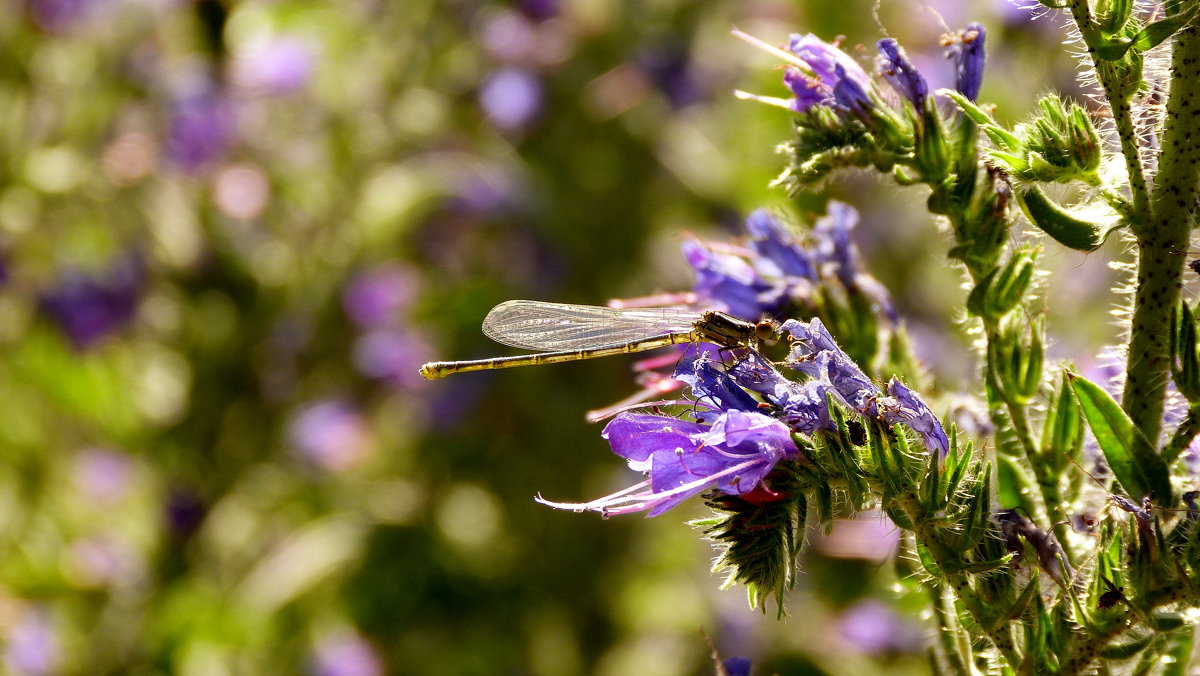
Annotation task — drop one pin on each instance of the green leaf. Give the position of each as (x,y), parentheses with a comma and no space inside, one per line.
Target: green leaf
(1153,35)
(1139,469)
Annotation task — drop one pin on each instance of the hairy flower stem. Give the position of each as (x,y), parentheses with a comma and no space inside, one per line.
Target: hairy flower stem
(1162,238)
(926,534)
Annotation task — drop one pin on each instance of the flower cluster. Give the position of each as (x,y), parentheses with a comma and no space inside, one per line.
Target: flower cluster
(745,419)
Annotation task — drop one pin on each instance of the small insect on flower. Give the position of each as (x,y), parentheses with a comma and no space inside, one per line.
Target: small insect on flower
(574,332)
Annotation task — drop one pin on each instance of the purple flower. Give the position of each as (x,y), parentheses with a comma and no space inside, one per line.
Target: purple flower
(835,249)
(670,69)
(712,386)
(737,666)
(32,647)
(778,253)
(729,283)
(283,65)
(901,74)
(345,653)
(733,455)
(835,77)
(815,353)
(200,129)
(331,434)
(804,407)
(967,51)
(902,406)
(511,98)
(89,307)
(380,296)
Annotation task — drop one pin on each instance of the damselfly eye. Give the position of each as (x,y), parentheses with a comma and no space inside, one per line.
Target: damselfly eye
(1195,265)
(765,330)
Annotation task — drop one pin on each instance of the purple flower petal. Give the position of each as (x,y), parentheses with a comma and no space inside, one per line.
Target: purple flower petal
(901,74)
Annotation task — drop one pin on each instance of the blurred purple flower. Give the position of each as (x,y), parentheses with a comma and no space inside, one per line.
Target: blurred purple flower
(737,666)
(56,16)
(540,10)
(779,255)
(32,647)
(200,129)
(511,98)
(89,307)
(876,629)
(967,51)
(903,406)
(671,70)
(380,296)
(283,65)
(729,283)
(901,74)
(392,356)
(683,458)
(331,434)
(346,653)
(184,512)
(102,475)
(835,249)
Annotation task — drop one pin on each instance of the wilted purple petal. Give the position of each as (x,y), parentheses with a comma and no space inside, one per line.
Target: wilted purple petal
(511,98)
(903,406)
(901,74)
(804,406)
(815,353)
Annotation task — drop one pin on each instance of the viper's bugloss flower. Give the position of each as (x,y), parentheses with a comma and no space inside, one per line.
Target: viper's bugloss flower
(683,458)
(88,307)
(903,406)
(730,283)
(834,77)
(815,353)
(778,252)
(835,249)
(804,407)
(901,74)
(967,51)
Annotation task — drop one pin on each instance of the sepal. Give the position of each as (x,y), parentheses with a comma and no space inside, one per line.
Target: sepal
(1001,290)
(1185,359)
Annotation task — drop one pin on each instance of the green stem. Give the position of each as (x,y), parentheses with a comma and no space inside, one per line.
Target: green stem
(1160,267)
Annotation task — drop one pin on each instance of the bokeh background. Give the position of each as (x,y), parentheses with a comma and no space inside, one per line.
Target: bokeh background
(230,231)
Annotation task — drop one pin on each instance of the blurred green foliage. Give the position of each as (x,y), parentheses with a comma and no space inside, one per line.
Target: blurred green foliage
(231,231)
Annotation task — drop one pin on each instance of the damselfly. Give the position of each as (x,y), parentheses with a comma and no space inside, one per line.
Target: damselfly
(571,332)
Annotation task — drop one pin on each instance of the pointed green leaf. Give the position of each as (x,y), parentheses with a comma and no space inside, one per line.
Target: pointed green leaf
(1139,469)
(1153,35)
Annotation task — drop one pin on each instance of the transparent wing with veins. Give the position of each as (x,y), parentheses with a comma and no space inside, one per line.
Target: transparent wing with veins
(535,325)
